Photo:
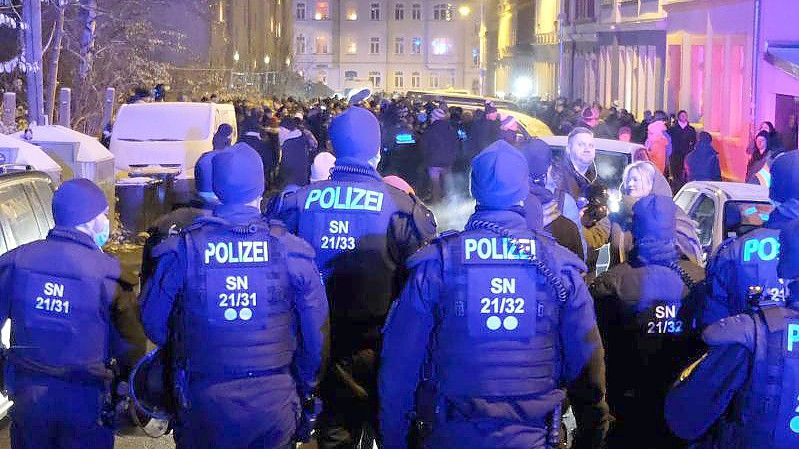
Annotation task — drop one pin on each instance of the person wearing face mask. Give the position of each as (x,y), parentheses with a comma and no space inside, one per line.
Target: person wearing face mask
(62,295)
(639,180)
(363,231)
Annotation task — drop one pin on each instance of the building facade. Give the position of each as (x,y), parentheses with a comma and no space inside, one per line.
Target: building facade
(725,67)
(241,43)
(391,46)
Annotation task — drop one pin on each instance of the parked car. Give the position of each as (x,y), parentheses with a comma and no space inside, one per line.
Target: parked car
(25,216)
(723,209)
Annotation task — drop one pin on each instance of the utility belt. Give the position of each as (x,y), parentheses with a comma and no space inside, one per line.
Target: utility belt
(102,376)
(433,410)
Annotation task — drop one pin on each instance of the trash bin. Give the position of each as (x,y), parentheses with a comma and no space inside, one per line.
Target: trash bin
(138,204)
(168,193)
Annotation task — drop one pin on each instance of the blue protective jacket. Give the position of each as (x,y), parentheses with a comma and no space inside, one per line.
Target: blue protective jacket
(749,260)
(60,294)
(362,230)
(240,303)
(742,394)
(497,378)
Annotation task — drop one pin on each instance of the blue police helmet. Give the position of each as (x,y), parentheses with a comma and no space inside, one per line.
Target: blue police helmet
(355,135)
(499,176)
(785,177)
(788,266)
(654,216)
(238,174)
(78,201)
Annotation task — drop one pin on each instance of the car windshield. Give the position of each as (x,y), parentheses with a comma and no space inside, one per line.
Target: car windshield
(163,123)
(609,165)
(742,216)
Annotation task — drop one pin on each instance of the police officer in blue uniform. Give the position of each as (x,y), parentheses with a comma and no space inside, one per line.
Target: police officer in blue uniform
(498,320)
(239,303)
(743,393)
(752,258)
(61,296)
(170,224)
(640,308)
(363,231)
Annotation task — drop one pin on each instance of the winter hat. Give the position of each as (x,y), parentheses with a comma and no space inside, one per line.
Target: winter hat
(238,174)
(78,201)
(322,163)
(438,114)
(534,212)
(654,216)
(539,157)
(507,122)
(203,169)
(222,137)
(788,266)
(499,176)
(785,177)
(490,108)
(355,136)
(399,183)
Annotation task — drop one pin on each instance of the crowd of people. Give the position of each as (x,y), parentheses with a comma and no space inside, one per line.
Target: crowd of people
(477,338)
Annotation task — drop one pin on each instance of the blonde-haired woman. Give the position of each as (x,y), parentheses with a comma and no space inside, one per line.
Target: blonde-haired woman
(639,180)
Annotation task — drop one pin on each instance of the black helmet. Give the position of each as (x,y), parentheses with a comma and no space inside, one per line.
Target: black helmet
(150,394)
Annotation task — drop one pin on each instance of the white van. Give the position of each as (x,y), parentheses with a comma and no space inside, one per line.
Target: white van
(166,134)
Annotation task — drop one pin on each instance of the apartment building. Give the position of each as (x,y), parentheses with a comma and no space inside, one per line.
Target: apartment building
(391,46)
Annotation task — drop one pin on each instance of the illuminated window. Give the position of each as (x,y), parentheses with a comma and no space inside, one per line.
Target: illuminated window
(442,46)
(352,47)
(300,45)
(416,11)
(279,28)
(442,11)
(300,11)
(321,45)
(374,11)
(416,46)
(321,76)
(398,80)
(399,45)
(352,12)
(399,11)
(322,11)
(415,79)
(374,45)
(375,79)
(434,80)
(221,11)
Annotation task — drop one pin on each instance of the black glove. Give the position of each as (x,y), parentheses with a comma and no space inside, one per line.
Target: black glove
(311,407)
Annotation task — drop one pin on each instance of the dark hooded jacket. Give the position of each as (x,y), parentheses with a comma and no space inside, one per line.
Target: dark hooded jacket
(702,164)
(440,144)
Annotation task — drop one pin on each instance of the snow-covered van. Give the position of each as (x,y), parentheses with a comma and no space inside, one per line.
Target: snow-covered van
(166,134)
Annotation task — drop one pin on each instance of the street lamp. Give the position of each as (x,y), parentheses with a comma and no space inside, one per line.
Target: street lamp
(267,59)
(288,60)
(464,10)
(236,56)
